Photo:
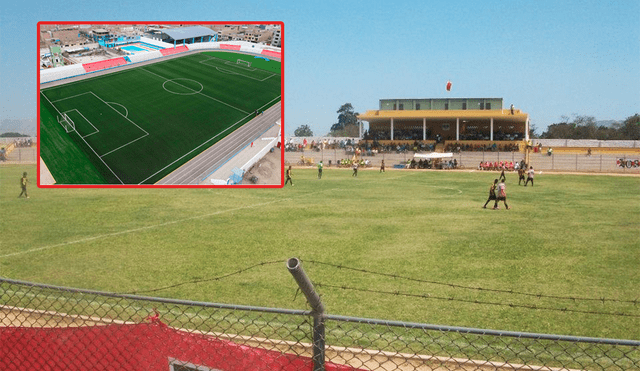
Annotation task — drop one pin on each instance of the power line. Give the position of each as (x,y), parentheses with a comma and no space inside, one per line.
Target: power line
(456,286)
(511,305)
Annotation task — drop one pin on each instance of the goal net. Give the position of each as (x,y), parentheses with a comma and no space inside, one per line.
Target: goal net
(66,123)
(243,63)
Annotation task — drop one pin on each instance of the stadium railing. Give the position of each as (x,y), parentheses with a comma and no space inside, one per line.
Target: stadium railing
(44,326)
(60,73)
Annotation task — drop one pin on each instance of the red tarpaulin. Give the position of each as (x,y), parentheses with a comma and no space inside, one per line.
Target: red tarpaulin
(148,346)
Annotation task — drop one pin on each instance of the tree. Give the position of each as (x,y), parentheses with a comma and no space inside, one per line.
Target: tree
(585,127)
(348,122)
(303,131)
(630,129)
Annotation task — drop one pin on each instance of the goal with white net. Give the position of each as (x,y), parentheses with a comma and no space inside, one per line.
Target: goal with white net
(243,63)
(66,123)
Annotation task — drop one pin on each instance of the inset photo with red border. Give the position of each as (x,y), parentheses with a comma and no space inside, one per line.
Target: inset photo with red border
(160,104)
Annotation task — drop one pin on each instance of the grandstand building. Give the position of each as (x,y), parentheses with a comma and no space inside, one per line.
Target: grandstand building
(447,119)
(184,35)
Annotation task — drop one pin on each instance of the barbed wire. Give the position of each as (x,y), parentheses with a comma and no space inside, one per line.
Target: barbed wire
(457,286)
(511,305)
(207,279)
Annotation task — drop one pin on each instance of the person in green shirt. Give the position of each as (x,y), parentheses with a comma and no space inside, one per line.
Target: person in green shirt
(288,174)
(320,165)
(23,184)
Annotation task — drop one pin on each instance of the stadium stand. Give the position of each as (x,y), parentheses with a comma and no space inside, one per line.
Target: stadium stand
(176,50)
(101,65)
(141,57)
(271,53)
(230,47)
(59,73)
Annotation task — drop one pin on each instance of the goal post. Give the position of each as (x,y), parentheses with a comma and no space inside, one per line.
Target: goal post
(243,63)
(66,123)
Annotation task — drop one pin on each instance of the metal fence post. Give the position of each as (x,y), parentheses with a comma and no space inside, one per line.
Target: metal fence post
(295,268)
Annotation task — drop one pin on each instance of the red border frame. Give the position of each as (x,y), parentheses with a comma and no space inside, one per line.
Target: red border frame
(281,185)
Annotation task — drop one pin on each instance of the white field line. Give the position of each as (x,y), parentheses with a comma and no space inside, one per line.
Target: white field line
(98,237)
(217,100)
(186,154)
(94,151)
(231,64)
(124,145)
(79,113)
(95,95)
(222,70)
(118,104)
(177,221)
(73,96)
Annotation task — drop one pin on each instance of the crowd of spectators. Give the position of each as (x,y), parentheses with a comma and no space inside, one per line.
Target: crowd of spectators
(501,165)
(23,142)
(494,147)
(398,134)
(375,147)
(498,135)
(432,164)
(348,145)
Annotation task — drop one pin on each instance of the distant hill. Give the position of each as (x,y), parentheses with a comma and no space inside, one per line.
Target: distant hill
(24,126)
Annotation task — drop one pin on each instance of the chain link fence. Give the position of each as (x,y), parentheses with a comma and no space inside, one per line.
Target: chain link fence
(569,162)
(46,327)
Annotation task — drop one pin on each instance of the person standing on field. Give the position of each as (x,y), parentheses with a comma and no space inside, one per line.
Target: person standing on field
(288,174)
(382,166)
(492,193)
(320,166)
(521,176)
(530,176)
(501,195)
(23,184)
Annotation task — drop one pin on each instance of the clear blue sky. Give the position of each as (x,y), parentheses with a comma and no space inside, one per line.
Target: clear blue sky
(549,58)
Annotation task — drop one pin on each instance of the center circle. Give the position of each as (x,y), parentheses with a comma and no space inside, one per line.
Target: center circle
(185,83)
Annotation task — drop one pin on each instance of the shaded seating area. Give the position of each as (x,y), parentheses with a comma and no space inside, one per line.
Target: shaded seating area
(102,65)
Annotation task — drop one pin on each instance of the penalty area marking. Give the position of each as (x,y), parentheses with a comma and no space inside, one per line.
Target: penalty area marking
(222,70)
(87,120)
(118,104)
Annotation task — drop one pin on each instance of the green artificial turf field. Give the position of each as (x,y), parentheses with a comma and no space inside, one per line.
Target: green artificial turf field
(138,125)
(569,236)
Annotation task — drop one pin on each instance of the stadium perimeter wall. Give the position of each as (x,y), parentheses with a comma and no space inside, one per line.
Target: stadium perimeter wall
(62,75)
(559,162)
(587,143)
